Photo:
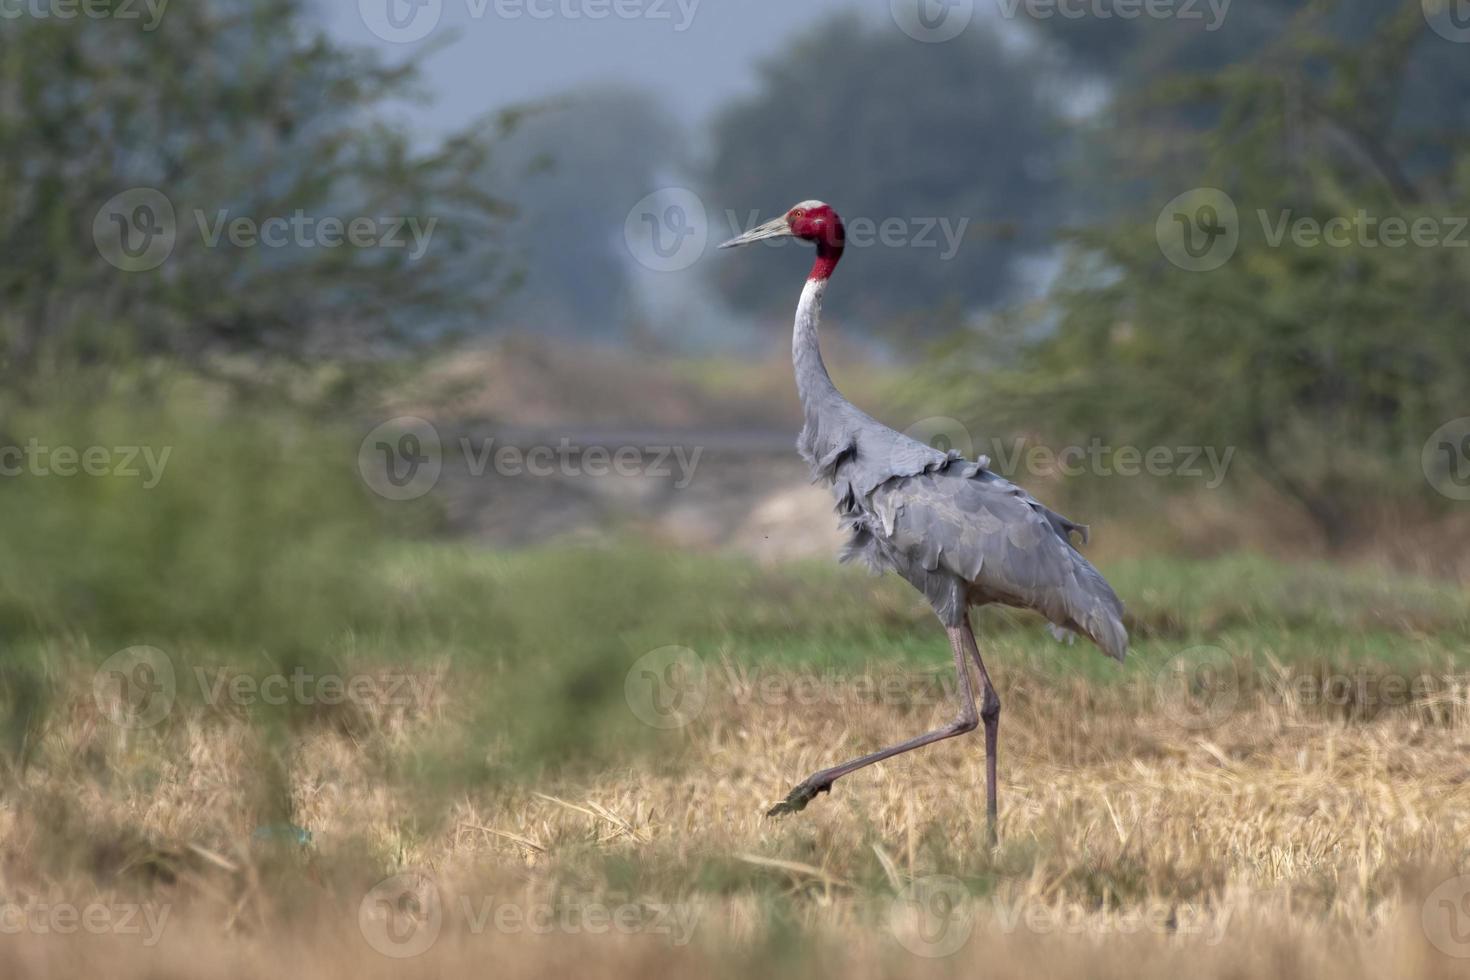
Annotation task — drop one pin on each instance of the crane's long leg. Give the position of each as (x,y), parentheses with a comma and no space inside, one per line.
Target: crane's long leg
(960,641)
(990,714)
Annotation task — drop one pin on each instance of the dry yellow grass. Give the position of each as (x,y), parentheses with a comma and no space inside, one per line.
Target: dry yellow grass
(1284,841)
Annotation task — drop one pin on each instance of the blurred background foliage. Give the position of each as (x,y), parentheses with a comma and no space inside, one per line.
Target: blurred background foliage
(1056,141)
(235,108)
(864,116)
(1327,367)
(1059,318)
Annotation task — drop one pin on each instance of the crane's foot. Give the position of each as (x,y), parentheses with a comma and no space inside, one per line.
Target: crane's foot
(799,797)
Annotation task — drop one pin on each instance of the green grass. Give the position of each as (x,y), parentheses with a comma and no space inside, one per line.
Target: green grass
(261,550)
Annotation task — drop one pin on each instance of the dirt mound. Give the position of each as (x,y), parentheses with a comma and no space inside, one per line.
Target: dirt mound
(529,383)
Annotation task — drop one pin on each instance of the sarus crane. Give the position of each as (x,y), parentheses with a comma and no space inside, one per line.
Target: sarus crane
(956,531)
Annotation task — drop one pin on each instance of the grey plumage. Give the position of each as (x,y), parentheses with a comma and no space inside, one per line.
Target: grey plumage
(955,530)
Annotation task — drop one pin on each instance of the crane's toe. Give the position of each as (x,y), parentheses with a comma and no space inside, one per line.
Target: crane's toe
(799,797)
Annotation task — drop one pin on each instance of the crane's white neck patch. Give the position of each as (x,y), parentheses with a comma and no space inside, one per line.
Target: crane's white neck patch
(809,307)
(805,350)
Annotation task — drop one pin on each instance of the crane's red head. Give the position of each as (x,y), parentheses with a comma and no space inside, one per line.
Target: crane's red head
(810,221)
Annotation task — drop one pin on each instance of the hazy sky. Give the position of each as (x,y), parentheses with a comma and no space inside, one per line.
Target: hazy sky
(694,53)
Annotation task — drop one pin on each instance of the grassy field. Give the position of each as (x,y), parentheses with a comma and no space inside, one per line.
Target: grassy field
(520,781)
(253,725)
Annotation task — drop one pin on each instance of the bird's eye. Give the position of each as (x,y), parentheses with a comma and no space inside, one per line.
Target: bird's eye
(797,213)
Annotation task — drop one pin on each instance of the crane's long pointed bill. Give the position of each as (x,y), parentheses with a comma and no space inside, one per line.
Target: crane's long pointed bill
(776,228)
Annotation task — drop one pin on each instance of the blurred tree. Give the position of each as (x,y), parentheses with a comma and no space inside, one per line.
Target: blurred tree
(885,128)
(223,110)
(1149,68)
(574,168)
(1327,364)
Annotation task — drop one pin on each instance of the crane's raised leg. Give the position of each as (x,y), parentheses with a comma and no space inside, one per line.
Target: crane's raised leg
(962,642)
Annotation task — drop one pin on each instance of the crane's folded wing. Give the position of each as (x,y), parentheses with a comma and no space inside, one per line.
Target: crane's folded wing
(1001,541)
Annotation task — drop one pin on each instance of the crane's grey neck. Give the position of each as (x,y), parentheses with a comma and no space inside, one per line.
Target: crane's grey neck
(813,382)
(832,426)
(846,448)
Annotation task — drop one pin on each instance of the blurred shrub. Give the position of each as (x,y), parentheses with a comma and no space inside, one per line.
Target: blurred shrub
(214,522)
(241,537)
(1324,366)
